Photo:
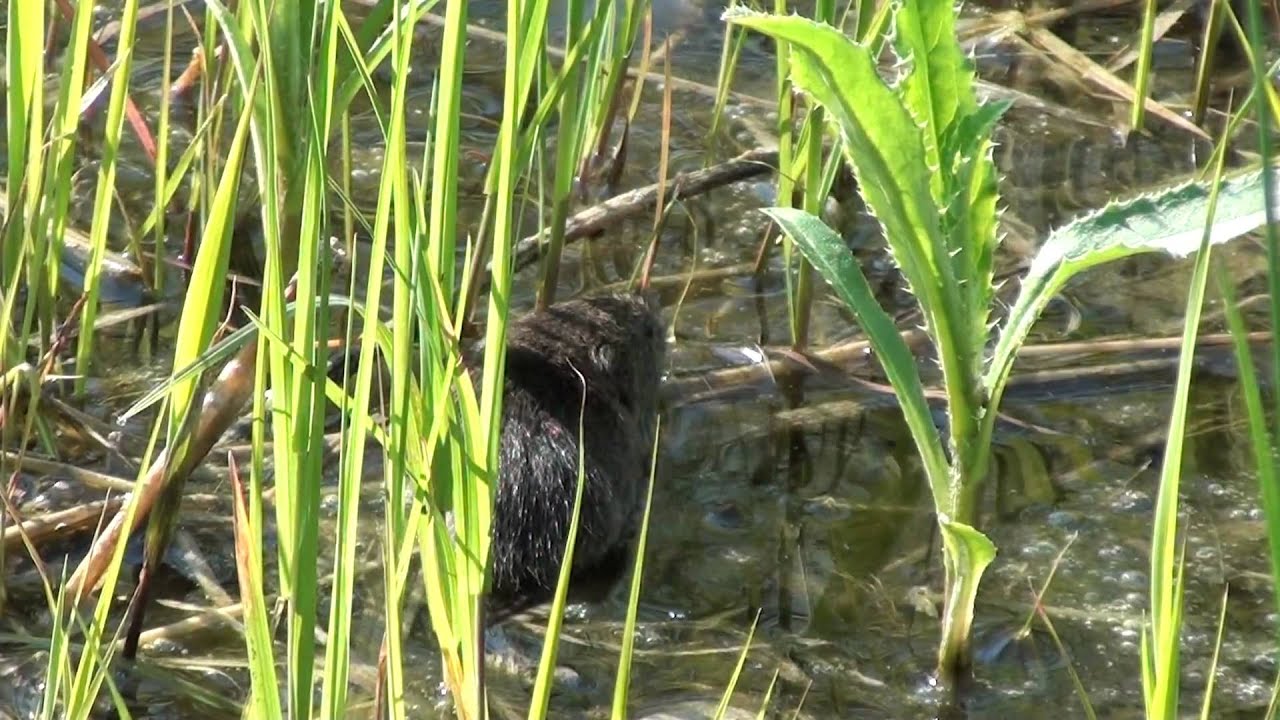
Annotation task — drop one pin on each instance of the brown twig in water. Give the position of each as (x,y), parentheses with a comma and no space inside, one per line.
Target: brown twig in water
(62,523)
(100,61)
(219,408)
(849,355)
(636,202)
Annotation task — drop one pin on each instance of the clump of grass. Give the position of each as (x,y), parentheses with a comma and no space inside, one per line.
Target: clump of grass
(292,73)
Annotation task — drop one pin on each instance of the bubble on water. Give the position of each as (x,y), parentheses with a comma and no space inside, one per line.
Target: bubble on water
(1040,550)
(1063,519)
(1206,552)
(1113,551)
(1132,501)
(1135,579)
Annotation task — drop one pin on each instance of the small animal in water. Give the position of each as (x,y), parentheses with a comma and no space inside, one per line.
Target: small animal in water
(610,348)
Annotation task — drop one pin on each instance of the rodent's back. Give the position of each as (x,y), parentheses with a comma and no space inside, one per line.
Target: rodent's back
(615,344)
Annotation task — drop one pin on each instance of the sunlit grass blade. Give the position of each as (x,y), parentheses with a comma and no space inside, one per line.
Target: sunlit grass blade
(105,188)
(622,681)
(24,97)
(1161,681)
(264,694)
(732,686)
(1142,72)
(1212,674)
(1076,683)
(1261,437)
(768,697)
(51,211)
(551,643)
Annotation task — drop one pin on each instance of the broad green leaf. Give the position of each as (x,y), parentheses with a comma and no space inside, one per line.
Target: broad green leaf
(828,254)
(883,145)
(938,89)
(968,553)
(1171,221)
(881,142)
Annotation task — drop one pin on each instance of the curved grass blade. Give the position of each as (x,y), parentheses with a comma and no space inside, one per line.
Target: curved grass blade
(551,644)
(727,696)
(622,684)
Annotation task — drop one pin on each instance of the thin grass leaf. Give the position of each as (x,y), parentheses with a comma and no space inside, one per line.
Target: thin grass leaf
(1167,563)
(1217,651)
(763,712)
(1142,73)
(542,683)
(1261,439)
(264,697)
(1076,683)
(727,696)
(622,681)
(24,97)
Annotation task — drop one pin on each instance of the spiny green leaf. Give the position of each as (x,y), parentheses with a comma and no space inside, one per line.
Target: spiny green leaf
(1171,221)
(938,88)
(881,140)
(971,216)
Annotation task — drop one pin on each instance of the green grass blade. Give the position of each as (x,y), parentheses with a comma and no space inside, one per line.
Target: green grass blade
(104,196)
(264,696)
(24,97)
(1212,675)
(1142,72)
(622,682)
(1261,440)
(1167,573)
(729,689)
(551,644)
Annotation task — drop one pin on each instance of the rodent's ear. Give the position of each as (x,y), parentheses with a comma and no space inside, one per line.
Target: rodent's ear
(604,356)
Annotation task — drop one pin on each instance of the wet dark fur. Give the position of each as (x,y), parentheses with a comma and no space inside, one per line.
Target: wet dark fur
(616,344)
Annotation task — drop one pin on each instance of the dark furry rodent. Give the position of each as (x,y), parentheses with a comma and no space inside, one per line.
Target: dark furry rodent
(615,343)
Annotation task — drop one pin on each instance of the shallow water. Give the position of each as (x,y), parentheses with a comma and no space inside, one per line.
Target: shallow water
(806,504)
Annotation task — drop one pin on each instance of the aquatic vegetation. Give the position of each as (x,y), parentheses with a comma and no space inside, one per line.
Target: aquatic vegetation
(920,149)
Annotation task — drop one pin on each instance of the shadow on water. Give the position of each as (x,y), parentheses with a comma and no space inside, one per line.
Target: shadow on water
(802,503)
